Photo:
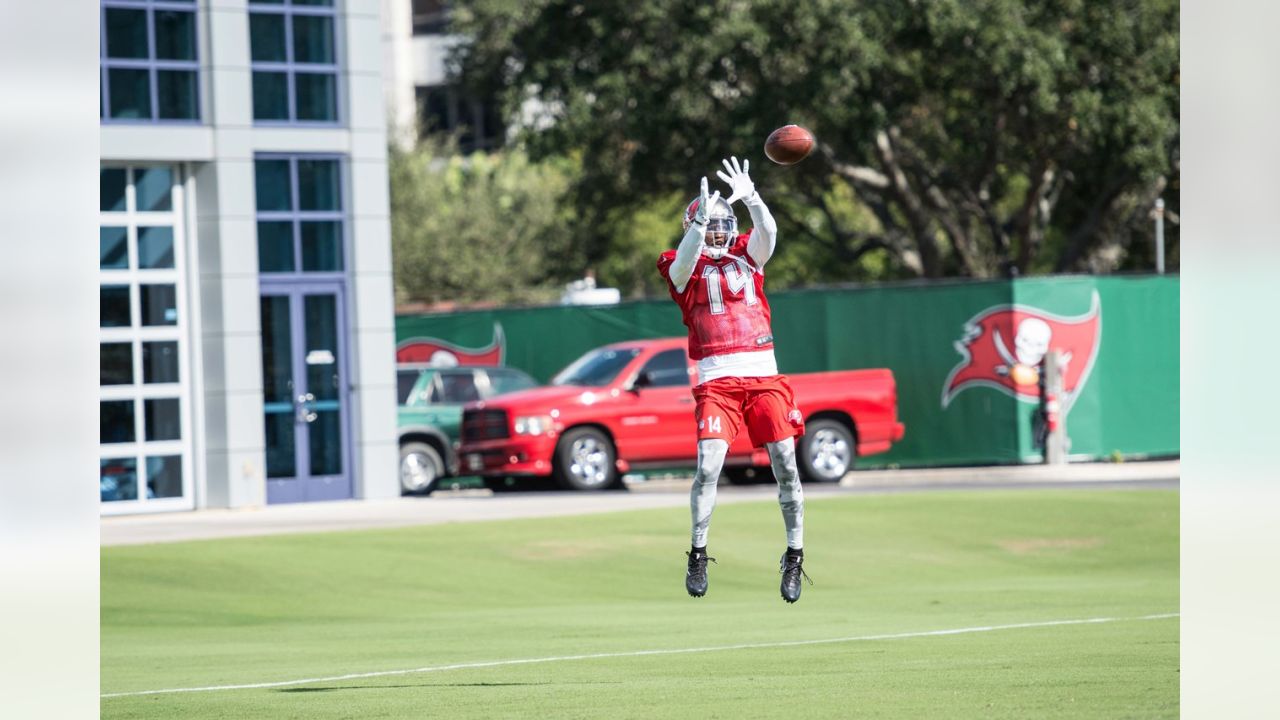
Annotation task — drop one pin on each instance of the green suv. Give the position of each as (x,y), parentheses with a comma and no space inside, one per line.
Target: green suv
(430,416)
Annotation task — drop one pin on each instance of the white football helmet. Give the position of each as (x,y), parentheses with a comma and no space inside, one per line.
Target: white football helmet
(722,226)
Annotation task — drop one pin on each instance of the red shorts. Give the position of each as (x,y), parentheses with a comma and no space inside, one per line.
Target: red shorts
(767,404)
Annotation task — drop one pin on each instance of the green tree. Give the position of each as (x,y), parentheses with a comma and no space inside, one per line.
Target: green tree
(479,227)
(956,136)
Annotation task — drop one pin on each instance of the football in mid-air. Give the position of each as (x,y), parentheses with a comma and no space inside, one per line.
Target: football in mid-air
(789,144)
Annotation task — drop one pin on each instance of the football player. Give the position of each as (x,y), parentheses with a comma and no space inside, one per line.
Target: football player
(716,276)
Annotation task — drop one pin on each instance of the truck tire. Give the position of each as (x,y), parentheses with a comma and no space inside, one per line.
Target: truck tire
(749,475)
(586,460)
(827,451)
(421,468)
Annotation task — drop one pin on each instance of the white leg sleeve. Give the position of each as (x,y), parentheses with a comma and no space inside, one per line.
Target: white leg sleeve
(702,496)
(782,455)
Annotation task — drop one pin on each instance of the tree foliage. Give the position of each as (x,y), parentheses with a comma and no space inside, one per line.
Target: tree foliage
(956,136)
(479,227)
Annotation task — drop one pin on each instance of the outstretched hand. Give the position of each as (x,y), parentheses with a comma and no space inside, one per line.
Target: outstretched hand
(738,179)
(704,203)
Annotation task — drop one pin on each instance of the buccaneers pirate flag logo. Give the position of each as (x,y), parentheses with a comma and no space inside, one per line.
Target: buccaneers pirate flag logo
(1003,348)
(442,354)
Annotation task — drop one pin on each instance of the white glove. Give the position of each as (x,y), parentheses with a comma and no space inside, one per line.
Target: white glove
(704,204)
(738,180)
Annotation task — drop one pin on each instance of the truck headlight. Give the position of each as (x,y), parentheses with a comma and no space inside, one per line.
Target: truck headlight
(533,425)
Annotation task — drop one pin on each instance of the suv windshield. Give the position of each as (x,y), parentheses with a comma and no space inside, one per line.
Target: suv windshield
(597,368)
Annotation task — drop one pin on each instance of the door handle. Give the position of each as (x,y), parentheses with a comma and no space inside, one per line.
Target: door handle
(309,397)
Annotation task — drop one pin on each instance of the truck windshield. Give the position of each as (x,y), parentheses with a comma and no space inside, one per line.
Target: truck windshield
(597,368)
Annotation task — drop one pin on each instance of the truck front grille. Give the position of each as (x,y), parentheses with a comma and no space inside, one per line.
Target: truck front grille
(484,425)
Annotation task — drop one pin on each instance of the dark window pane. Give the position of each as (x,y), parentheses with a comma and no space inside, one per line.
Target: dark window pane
(159,305)
(270,96)
(266,2)
(275,246)
(116,360)
(405,380)
(118,479)
(326,443)
(313,39)
(281,453)
(271,180)
(111,185)
(160,362)
(155,247)
(163,421)
(176,94)
(266,37)
(164,476)
(130,93)
(320,315)
(667,369)
(175,35)
(116,425)
(152,188)
(325,3)
(113,248)
(113,304)
(321,246)
(319,185)
(317,96)
(126,34)
(277,354)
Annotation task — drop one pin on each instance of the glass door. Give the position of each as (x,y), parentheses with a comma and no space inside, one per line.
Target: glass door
(305,392)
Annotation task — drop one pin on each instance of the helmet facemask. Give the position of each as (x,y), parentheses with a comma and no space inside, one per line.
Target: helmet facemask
(722,227)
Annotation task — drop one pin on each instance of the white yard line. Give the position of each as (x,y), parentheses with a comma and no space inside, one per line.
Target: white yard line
(639,653)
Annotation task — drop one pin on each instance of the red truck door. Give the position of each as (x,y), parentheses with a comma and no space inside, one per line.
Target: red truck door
(657,413)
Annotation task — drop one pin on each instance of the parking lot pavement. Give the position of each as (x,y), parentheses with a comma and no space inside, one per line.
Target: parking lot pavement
(480,505)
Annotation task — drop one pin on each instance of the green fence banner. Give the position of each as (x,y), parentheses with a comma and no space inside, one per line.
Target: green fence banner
(964,354)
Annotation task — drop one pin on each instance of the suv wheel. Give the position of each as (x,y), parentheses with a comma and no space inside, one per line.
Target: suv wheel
(421,467)
(586,460)
(827,451)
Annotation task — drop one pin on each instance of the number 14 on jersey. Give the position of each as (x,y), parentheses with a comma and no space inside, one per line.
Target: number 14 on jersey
(737,277)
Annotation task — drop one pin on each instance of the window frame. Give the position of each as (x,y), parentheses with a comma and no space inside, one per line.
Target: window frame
(290,67)
(151,63)
(137,335)
(296,216)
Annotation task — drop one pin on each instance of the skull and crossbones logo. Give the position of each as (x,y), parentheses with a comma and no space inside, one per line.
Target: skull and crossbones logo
(1030,345)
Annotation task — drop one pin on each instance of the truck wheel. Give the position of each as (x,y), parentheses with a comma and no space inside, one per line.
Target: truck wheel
(747,475)
(585,460)
(826,452)
(421,467)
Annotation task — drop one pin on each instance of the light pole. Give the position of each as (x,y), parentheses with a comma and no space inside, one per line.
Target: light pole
(1159,215)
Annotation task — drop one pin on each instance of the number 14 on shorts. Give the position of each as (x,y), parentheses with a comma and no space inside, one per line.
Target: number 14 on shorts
(711,423)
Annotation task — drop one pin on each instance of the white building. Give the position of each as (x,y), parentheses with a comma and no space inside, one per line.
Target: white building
(420,96)
(247,331)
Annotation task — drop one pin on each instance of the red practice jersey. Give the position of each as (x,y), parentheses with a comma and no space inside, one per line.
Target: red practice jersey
(724,305)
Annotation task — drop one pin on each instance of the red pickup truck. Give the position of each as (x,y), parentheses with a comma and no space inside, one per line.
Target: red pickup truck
(629,406)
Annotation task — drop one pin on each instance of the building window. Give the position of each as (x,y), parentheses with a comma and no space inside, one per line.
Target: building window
(446,109)
(430,17)
(144,406)
(149,64)
(300,216)
(293,52)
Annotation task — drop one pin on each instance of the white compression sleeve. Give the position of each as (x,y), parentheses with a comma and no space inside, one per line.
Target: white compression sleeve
(782,456)
(687,255)
(764,231)
(702,496)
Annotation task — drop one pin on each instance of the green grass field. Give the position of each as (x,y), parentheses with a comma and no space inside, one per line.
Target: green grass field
(261,610)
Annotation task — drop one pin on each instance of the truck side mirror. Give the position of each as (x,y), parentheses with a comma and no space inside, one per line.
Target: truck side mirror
(643,380)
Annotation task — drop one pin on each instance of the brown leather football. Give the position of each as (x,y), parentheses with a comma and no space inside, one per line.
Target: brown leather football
(789,145)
